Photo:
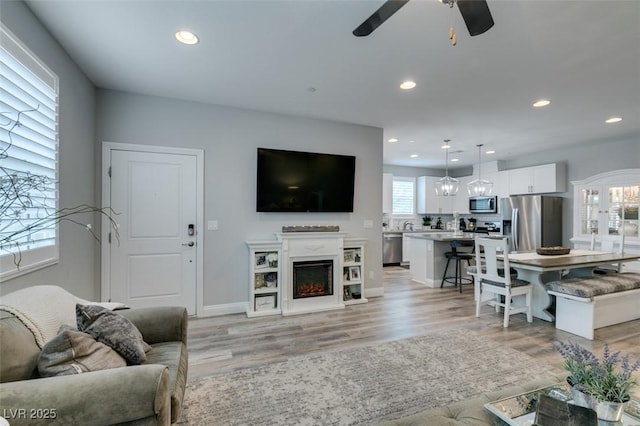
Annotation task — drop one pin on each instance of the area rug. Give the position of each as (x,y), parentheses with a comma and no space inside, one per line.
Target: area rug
(361,385)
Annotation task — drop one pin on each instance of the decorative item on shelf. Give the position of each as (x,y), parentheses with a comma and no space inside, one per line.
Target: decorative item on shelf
(447,185)
(605,384)
(271,279)
(479,187)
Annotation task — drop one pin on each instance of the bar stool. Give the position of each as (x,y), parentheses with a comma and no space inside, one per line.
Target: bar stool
(459,257)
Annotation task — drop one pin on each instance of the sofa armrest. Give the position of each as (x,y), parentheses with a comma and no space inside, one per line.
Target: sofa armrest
(161,324)
(118,395)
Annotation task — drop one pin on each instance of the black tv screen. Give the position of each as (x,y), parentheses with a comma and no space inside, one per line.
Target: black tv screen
(292,181)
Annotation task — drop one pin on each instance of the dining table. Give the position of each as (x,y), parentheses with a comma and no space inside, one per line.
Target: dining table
(540,269)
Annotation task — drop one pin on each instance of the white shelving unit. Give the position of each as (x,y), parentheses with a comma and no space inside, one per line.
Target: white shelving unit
(353,270)
(264,278)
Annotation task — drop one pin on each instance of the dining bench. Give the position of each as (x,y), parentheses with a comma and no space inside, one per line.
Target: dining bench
(586,304)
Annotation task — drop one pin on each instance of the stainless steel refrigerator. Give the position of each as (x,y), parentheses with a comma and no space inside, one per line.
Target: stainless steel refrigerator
(532,221)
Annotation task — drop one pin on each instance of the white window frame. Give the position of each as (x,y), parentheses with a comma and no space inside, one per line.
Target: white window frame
(412,180)
(42,86)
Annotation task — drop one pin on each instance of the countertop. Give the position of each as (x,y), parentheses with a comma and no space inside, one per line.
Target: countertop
(445,236)
(417,231)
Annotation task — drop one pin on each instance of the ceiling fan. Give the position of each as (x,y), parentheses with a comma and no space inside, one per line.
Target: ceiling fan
(475,13)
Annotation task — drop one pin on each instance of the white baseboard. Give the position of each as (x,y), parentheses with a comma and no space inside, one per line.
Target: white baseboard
(217,310)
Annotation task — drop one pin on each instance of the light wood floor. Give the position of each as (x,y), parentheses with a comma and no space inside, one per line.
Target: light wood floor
(230,342)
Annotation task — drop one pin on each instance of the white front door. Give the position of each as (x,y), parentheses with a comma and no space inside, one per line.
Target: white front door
(154,263)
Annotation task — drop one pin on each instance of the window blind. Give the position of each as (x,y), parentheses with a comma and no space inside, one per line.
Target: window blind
(28,159)
(403,196)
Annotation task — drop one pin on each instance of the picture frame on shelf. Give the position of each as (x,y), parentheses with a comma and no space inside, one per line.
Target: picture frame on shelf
(349,256)
(346,276)
(347,292)
(354,273)
(261,261)
(264,302)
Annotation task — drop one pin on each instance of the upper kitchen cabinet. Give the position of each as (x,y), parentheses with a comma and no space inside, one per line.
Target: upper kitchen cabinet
(607,204)
(538,179)
(500,183)
(427,201)
(387,193)
(461,200)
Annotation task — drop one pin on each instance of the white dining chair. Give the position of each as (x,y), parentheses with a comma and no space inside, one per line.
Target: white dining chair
(494,284)
(608,244)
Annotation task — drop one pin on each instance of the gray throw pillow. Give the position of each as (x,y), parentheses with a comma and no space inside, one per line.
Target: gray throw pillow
(75,352)
(113,330)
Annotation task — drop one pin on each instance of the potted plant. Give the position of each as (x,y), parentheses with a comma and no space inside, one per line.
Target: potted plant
(426,220)
(605,383)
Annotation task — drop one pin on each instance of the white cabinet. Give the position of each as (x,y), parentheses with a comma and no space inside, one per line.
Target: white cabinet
(461,200)
(406,249)
(353,271)
(387,193)
(538,179)
(264,278)
(427,201)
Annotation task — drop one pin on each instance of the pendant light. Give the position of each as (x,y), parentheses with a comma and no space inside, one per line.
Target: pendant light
(447,185)
(479,187)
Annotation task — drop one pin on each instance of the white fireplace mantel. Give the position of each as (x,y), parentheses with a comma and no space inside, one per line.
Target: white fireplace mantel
(303,246)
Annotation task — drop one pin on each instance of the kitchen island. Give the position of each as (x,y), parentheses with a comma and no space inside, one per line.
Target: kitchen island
(427,259)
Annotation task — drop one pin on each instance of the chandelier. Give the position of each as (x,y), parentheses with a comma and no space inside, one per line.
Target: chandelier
(479,187)
(447,185)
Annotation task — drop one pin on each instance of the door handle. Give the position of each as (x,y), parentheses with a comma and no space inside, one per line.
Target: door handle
(189,244)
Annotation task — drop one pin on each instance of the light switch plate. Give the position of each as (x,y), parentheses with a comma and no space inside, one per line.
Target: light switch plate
(212,225)
(368,223)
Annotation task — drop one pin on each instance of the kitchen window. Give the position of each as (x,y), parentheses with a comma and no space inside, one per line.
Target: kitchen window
(28,159)
(404,196)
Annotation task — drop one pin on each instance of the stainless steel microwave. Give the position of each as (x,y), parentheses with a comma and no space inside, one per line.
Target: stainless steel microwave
(482,204)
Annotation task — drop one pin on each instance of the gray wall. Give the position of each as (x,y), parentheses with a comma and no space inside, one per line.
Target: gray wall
(229,138)
(77,269)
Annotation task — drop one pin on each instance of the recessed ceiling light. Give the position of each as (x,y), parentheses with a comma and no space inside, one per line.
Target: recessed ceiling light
(446,144)
(186,37)
(412,141)
(392,140)
(613,120)
(490,152)
(406,85)
(453,160)
(414,156)
(541,103)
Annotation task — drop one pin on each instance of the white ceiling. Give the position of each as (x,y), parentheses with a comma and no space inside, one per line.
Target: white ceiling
(267,55)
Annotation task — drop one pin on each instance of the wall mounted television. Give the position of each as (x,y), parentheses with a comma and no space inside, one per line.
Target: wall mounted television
(293,181)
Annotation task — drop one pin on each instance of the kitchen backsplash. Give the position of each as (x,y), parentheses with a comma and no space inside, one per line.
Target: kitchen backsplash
(416,221)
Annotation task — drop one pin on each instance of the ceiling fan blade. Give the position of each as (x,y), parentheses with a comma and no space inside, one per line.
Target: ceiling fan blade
(379,16)
(476,15)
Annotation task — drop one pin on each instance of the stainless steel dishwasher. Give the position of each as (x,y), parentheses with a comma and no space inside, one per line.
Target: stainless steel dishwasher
(391,248)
